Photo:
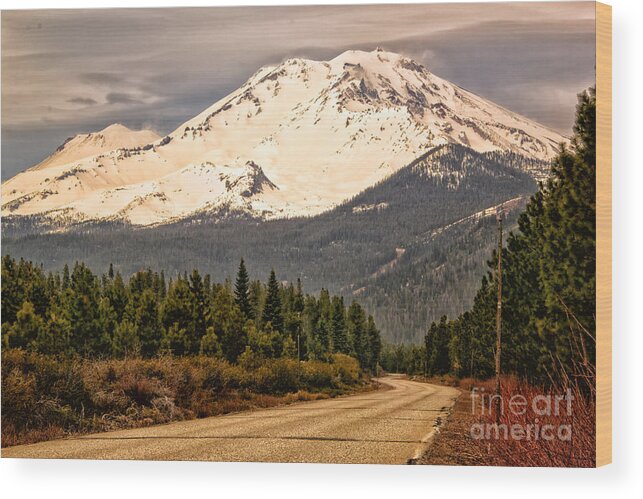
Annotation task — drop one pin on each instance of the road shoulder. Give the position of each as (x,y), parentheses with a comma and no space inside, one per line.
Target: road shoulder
(452,444)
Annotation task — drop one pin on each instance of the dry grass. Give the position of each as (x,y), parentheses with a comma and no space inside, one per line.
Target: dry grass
(45,398)
(444,380)
(452,445)
(576,420)
(455,443)
(552,426)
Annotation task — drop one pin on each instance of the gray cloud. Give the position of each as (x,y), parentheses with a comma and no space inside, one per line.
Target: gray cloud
(86,101)
(169,64)
(121,98)
(103,79)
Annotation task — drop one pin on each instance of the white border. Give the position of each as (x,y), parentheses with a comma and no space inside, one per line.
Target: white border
(116,480)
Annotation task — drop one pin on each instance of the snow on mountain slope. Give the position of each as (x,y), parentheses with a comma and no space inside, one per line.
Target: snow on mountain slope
(81,146)
(175,195)
(310,134)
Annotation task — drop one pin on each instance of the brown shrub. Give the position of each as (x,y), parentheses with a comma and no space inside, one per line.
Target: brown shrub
(347,368)
(532,449)
(45,397)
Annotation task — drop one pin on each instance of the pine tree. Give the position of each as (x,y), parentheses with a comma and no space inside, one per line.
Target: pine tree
(356,323)
(126,342)
(374,343)
(12,292)
(84,310)
(298,300)
(148,324)
(210,344)
(241,292)
(106,327)
(25,330)
(117,294)
(266,343)
(256,297)
(437,348)
(54,337)
(228,323)
(66,279)
(272,312)
(568,243)
(198,306)
(175,340)
(176,313)
(324,335)
(100,316)
(36,289)
(338,327)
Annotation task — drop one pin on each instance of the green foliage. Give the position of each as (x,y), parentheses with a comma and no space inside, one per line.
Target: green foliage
(45,397)
(272,312)
(241,292)
(549,282)
(25,330)
(79,313)
(374,344)
(409,359)
(175,340)
(148,324)
(228,321)
(436,344)
(210,344)
(126,342)
(356,327)
(339,334)
(342,250)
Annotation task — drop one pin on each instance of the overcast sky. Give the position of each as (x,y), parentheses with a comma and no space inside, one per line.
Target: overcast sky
(72,71)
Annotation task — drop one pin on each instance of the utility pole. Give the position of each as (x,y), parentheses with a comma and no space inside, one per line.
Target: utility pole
(298,350)
(499,215)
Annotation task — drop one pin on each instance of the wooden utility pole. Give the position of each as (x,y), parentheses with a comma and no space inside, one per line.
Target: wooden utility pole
(298,350)
(499,215)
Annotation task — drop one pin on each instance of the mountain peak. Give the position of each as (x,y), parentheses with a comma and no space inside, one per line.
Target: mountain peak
(378,55)
(115,127)
(84,145)
(125,134)
(295,139)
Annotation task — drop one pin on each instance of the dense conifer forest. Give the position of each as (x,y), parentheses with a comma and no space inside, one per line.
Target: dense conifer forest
(76,312)
(408,249)
(549,285)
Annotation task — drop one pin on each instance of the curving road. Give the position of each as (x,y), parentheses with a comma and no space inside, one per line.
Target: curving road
(386,427)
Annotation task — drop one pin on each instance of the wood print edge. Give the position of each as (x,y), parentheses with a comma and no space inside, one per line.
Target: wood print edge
(603,234)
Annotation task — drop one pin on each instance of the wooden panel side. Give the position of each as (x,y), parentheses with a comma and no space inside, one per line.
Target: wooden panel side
(603,234)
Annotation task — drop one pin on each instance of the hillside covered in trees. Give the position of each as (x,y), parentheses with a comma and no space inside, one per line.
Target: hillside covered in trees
(409,249)
(548,291)
(75,312)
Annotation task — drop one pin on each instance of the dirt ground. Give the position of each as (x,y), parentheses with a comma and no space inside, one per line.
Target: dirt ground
(452,445)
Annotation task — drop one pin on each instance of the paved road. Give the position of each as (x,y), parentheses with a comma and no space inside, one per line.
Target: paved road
(385,426)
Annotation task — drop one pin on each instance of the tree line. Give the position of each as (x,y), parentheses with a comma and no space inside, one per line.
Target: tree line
(76,312)
(549,283)
(439,273)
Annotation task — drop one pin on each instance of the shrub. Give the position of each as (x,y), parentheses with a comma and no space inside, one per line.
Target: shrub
(577,452)
(347,367)
(40,392)
(45,397)
(319,375)
(276,376)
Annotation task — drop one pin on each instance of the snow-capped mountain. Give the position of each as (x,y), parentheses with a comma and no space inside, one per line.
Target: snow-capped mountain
(296,139)
(85,145)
